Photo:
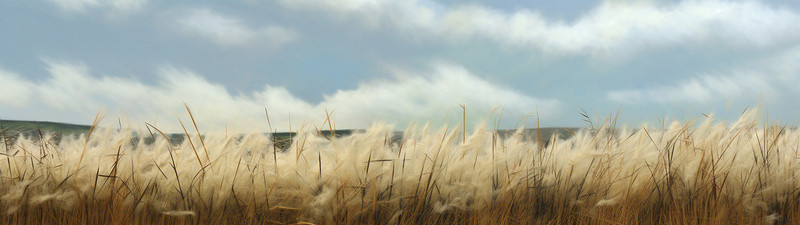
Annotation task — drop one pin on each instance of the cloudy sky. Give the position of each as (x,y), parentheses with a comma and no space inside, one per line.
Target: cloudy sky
(395,61)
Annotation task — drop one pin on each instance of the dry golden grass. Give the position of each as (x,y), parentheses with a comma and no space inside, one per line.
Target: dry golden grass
(685,173)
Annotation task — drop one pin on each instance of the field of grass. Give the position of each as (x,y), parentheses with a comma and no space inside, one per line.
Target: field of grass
(692,172)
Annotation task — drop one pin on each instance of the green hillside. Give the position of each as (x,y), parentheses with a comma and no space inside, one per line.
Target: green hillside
(32,127)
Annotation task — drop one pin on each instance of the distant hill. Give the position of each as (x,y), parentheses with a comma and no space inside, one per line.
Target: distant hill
(30,127)
(14,128)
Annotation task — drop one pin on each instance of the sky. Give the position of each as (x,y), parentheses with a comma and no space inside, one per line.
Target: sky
(397,62)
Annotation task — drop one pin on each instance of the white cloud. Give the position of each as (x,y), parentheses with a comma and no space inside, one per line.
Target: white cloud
(75,6)
(82,6)
(613,27)
(14,91)
(427,96)
(702,89)
(403,13)
(128,5)
(231,31)
(772,79)
(429,99)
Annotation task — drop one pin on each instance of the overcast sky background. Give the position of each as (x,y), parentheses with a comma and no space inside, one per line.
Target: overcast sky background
(395,61)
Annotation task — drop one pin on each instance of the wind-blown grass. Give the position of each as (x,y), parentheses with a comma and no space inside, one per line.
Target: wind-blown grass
(706,172)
